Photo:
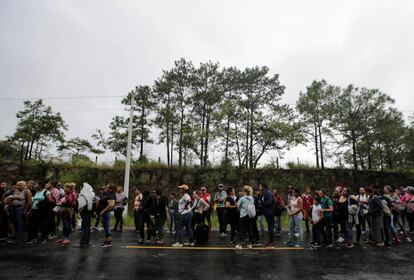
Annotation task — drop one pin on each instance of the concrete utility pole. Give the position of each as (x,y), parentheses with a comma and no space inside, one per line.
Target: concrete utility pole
(128,155)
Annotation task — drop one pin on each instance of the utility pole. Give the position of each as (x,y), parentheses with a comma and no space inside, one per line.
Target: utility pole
(128,155)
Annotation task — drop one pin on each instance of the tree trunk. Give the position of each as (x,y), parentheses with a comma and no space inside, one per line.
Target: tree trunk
(321,147)
(141,149)
(316,146)
(206,141)
(251,140)
(369,158)
(172,143)
(238,145)
(202,136)
(354,152)
(22,152)
(168,144)
(180,145)
(27,151)
(260,155)
(31,149)
(226,148)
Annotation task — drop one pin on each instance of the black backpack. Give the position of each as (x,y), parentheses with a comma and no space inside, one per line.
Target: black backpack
(259,204)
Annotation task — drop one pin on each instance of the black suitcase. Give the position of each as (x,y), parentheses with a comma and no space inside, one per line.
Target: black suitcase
(201,234)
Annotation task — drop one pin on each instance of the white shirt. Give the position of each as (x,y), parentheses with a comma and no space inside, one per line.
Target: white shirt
(183,204)
(316,213)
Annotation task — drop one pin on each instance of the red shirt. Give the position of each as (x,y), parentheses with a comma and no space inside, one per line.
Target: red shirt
(307,201)
(207,198)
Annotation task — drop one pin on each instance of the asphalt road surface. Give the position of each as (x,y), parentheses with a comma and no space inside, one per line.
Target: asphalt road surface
(126,260)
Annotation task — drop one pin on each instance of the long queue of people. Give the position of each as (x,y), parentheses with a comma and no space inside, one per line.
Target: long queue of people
(379,216)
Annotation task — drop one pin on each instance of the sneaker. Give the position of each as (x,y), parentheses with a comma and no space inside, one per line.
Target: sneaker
(397,241)
(316,245)
(141,241)
(349,245)
(11,240)
(409,239)
(238,246)
(330,246)
(59,241)
(340,240)
(107,244)
(277,234)
(270,244)
(296,234)
(189,244)
(257,244)
(249,246)
(43,241)
(178,245)
(148,241)
(65,242)
(31,242)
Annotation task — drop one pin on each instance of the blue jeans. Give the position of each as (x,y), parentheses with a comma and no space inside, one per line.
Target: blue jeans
(184,221)
(106,223)
(17,217)
(296,226)
(67,223)
(278,224)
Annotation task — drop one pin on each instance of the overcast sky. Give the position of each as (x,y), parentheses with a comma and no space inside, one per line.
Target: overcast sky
(87,48)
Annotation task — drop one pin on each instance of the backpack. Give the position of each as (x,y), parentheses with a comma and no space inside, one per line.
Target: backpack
(44,204)
(251,210)
(279,206)
(259,206)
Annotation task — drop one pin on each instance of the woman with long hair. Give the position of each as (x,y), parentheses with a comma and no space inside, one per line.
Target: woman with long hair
(107,203)
(295,208)
(246,206)
(232,217)
(66,210)
(376,217)
(38,214)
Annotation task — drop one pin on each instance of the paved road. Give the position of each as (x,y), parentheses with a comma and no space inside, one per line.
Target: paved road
(49,261)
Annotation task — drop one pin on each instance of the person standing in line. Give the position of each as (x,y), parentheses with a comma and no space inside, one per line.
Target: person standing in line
(38,214)
(160,215)
(326,223)
(199,208)
(307,207)
(362,198)
(279,209)
(85,204)
(137,209)
(147,207)
(232,216)
(316,219)
(98,207)
(51,216)
(207,198)
(120,202)
(219,199)
(376,215)
(268,211)
(66,204)
(173,211)
(185,216)
(247,212)
(295,218)
(107,204)
(20,203)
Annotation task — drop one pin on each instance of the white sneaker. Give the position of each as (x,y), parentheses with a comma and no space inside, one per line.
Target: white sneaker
(340,240)
(178,244)
(296,234)
(408,239)
(238,246)
(249,246)
(191,244)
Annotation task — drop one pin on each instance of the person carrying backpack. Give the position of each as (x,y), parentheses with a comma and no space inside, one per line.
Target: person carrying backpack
(85,205)
(279,209)
(268,211)
(247,213)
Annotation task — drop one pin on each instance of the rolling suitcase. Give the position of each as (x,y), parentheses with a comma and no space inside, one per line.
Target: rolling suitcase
(201,234)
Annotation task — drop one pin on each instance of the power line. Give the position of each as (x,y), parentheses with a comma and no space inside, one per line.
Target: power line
(76,111)
(60,97)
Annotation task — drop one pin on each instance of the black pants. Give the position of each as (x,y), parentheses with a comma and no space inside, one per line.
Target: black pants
(73,218)
(326,229)
(51,222)
(197,219)
(316,233)
(255,230)
(37,221)
(118,218)
(246,227)
(232,219)
(221,219)
(86,227)
(97,218)
(137,222)
(270,220)
(146,221)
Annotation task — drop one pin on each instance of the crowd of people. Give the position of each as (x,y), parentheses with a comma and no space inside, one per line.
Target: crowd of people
(48,211)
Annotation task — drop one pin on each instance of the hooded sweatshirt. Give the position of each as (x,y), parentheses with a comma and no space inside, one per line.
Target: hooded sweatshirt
(86,197)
